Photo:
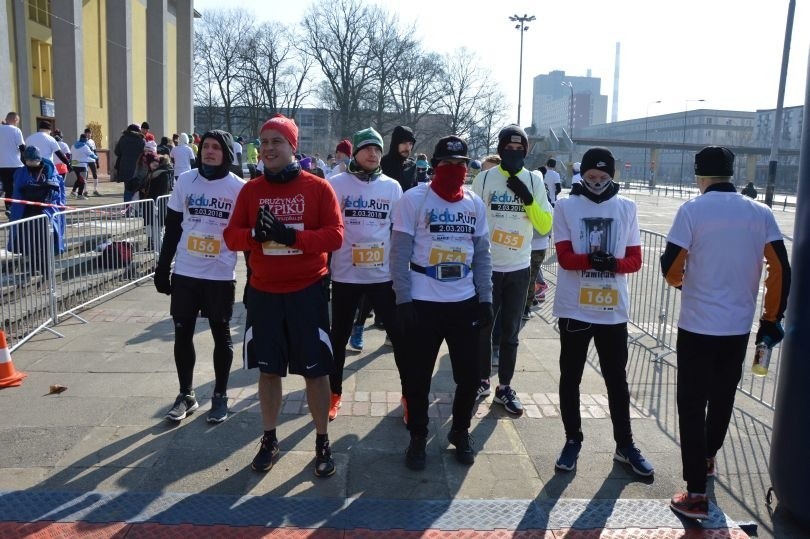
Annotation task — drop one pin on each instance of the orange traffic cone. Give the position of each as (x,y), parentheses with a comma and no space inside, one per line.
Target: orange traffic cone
(9,376)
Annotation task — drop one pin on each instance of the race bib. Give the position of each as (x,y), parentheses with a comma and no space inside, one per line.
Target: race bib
(443,252)
(368,255)
(511,239)
(272,248)
(598,294)
(203,245)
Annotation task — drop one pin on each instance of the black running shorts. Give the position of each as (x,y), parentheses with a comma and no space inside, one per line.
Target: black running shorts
(214,299)
(288,332)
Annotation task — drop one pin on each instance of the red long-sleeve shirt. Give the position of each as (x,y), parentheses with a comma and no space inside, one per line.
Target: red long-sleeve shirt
(307,201)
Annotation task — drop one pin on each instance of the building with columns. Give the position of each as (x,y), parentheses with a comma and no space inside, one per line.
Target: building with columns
(107,62)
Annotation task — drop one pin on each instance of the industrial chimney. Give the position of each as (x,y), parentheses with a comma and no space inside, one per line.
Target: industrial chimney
(614,115)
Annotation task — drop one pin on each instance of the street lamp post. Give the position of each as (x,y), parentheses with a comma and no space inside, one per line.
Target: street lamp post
(570,86)
(647,117)
(683,143)
(522,28)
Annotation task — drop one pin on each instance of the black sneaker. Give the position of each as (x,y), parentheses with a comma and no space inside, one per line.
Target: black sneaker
(324,464)
(464,446)
(632,455)
(568,456)
(483,390)
(509,399)
(415,455)
(268,449)
(527,315)
(183,406)
(219,409)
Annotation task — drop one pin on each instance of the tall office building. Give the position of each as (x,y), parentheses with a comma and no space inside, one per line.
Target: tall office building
(552,97)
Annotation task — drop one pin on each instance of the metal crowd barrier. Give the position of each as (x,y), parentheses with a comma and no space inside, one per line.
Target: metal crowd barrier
(27,299)
(102,250)
(108,248)
(653,314)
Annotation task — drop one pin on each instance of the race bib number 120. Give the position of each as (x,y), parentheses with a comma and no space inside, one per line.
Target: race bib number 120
(368,255)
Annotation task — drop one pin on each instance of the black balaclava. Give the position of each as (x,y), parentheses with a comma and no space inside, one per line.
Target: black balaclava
(512,161)
(600,159)
(226,143)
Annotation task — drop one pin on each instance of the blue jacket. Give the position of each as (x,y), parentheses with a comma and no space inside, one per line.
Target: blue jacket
(47,188)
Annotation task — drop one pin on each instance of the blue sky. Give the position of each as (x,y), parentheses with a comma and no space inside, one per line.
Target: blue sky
(727,52)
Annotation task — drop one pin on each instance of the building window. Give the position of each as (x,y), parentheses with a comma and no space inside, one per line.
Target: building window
(40,11)
(42,77)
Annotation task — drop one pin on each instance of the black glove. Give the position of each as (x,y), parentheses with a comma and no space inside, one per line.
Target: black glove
(520,189)
(281,233)
(602,261)
(772,330)
(485,315)
(263,226)
(406,317)
(163,281)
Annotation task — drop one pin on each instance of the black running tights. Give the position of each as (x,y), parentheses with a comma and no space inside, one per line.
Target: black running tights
(185,357)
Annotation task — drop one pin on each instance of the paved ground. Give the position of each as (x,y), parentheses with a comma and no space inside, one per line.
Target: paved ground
(99,460)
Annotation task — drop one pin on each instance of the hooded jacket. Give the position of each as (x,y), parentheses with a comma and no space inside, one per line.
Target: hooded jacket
(128,150)
(395,166)
(47,188)
(226,143)
(158,182)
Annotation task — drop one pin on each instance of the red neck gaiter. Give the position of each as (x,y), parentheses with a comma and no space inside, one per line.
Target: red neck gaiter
(448,181)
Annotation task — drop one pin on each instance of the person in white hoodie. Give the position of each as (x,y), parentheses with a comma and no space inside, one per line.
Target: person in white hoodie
(81,156)
(182,156)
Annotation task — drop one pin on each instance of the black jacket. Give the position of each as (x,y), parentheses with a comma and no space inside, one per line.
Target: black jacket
(395,166)
(128,150)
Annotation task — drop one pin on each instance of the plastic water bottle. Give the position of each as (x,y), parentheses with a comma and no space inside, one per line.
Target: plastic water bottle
(762,357)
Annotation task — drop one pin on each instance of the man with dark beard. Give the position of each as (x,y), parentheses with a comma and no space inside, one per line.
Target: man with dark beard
(397,163)
(442,279)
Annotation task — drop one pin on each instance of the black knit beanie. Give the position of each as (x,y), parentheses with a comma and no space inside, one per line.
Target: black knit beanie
(513,133)
(600,159)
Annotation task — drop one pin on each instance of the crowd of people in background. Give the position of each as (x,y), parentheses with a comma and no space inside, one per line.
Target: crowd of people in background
(443,249)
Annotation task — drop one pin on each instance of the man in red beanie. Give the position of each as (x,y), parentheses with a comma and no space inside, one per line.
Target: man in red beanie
(288,220)
(343,154)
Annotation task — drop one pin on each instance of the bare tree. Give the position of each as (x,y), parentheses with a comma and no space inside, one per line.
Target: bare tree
(276,74)
(206,96)
(390,48)
(218,38)
(463,91)
(338,35)
(417,90)
(491,118)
